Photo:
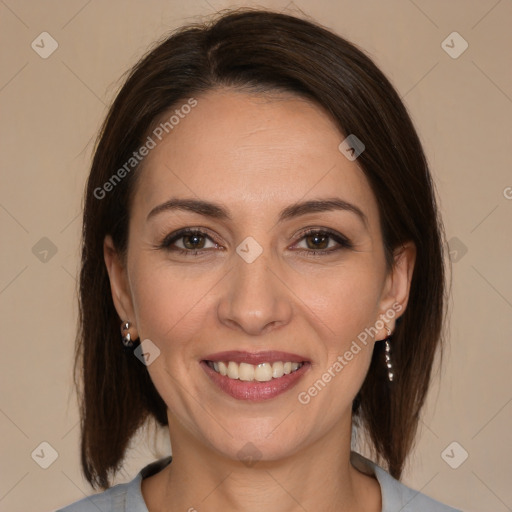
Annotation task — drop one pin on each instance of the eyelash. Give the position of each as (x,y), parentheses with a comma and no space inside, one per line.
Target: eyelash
(344,243)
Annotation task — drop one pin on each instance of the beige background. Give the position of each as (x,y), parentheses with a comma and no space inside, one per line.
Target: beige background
(52,108)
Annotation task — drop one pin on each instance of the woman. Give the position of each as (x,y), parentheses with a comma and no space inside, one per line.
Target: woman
(261,226)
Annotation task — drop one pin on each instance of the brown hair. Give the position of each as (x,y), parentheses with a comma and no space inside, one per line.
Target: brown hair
(265,51)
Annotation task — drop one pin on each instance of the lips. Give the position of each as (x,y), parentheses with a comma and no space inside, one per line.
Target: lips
(247,387)
(255,357)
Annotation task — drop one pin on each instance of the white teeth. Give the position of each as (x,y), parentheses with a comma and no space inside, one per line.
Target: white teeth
(245,371)
(277,370)
(232,370)
(262,372)
(223,369)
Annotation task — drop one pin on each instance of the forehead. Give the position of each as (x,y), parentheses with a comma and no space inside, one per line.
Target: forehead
(253,152)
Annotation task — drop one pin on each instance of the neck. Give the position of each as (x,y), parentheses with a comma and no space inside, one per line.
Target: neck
(317,477)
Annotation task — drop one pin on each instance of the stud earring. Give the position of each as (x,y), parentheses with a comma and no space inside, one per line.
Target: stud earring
(387,356)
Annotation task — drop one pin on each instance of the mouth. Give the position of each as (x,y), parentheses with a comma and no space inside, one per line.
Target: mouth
(262,372)
(255,376)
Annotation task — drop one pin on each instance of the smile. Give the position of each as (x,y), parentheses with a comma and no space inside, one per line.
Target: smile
(262,372)
(254,376)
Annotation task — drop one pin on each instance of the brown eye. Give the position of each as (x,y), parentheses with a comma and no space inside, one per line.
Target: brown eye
(193,242)
(321,241)
(317,241)
(187,241)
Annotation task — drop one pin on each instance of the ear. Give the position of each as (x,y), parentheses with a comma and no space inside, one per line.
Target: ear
(395,294)
(119,283)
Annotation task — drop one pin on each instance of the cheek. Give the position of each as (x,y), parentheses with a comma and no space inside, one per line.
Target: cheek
(341,305)
(169,303)
(345,299)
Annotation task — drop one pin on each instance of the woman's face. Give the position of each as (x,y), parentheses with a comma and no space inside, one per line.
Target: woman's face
(285,264)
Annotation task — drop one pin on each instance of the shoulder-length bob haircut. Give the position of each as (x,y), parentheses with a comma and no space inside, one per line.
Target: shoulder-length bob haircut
(260,51)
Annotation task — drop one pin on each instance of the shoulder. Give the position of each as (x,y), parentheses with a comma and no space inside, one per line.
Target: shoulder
(111,500)
(125,497)
(397,497)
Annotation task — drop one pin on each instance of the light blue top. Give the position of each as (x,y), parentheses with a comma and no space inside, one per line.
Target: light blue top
(396,497)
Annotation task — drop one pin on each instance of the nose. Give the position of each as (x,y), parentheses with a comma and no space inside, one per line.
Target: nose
(255,299)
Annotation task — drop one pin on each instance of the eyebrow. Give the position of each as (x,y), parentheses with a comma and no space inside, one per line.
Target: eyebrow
(217,211)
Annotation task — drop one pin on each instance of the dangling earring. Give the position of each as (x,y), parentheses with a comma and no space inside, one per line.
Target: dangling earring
(388,355)
(126,337)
